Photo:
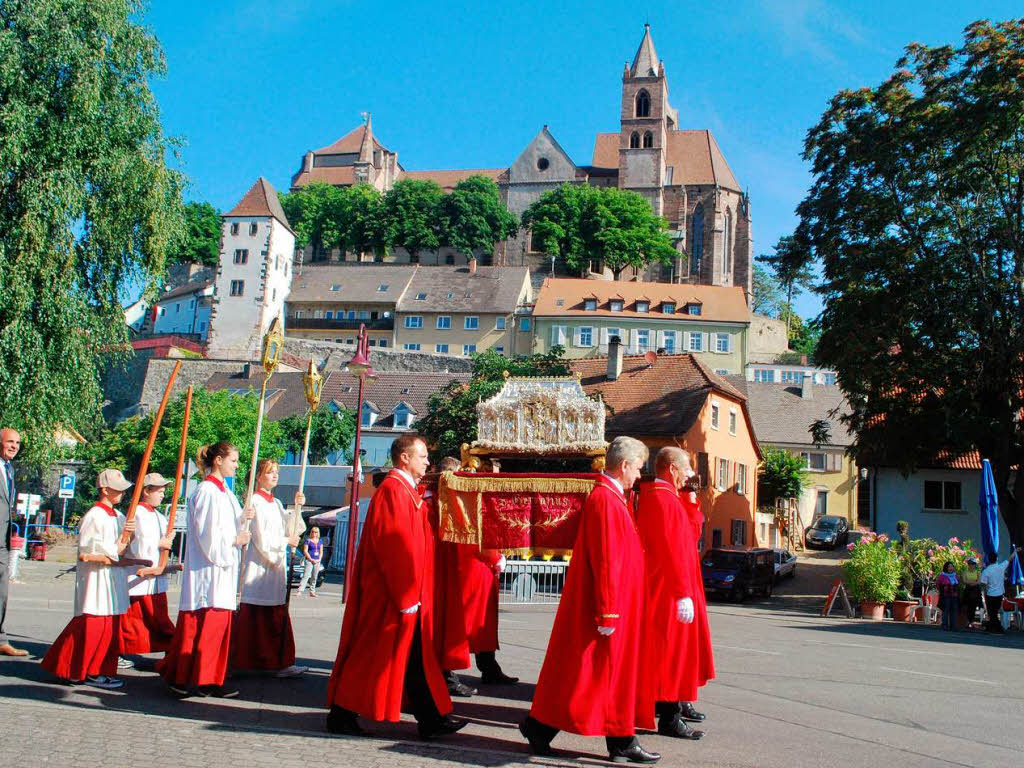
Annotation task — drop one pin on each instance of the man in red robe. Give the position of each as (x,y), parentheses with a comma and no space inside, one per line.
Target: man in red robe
(673,578)
(704,661)
(386,652)
(591,680)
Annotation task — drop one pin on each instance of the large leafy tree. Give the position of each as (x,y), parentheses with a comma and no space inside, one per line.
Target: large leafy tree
(581,223)
(767,293)
(450,420)
(88,205)
(313,211)
(332,431)
(917,215)
(411,216)
(791,269)
(200,239)
(474,218)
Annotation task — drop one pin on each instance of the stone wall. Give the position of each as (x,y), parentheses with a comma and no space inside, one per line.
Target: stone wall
(766,339)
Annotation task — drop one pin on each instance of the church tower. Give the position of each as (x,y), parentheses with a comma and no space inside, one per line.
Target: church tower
(645,121)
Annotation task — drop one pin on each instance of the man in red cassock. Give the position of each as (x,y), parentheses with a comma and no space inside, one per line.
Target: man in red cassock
(704,660)
(386,653)
(591,681)
(673,578)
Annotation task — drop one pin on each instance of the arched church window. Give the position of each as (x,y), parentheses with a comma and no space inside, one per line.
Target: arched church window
(648,140)
(643,104)
(634,140)
(697,251)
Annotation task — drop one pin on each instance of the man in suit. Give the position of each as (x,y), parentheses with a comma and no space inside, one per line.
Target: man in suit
(10,444)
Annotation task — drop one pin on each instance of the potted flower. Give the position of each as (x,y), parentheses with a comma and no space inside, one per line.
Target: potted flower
(872,574)
(903,606)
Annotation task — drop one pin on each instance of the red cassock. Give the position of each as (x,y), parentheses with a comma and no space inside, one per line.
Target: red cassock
(86,648)
(671,655)
(480,597)
(591,684)
(393,569)
(706,659)
(146,627)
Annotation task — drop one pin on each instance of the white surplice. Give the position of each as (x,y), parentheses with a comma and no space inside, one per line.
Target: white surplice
(210,578)
(264,581)
(150,527)
(100,590)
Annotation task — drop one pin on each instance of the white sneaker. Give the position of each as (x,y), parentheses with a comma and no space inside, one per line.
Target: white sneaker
(123,663)
(107,683)
(292,671)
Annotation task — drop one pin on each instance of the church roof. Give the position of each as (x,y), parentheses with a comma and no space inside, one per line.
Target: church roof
(645,63)
(694,155)
(351,142)
(261,200)
(448,179)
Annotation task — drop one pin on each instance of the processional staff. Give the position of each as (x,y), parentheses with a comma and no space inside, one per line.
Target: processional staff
(178,480)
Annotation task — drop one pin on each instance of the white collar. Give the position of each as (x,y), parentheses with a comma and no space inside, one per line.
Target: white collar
(407,477)
(616,483)
(666,483)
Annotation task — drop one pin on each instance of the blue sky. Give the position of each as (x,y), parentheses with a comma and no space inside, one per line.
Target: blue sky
(252,85)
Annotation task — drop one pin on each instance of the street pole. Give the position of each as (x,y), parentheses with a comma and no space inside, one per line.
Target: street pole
(63,512)
(358,366)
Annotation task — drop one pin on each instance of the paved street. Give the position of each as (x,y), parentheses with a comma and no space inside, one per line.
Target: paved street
(793,690)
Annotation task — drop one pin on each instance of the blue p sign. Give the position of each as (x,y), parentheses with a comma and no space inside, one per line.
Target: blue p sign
(67,487)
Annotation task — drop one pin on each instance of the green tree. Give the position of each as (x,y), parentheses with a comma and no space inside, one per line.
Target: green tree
(411,216)
(450,420)
(215,416)
(361,220)
(332,431)
(88,205)
(474,218)
(200,241)
(803,334)
(781,476)
(313,211)
(767,293)
(792,269)
(581,223)
(916,212)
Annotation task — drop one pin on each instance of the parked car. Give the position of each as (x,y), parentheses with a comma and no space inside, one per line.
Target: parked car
(828,532)
(736,572)
(298,566)
(785,564)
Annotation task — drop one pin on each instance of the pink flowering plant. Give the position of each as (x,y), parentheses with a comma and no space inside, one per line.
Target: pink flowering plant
(873,571)
(924,558)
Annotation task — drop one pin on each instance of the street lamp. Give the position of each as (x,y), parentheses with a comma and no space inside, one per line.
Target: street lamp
(360,367)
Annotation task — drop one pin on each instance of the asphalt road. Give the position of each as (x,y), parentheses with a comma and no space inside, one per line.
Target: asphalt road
(793,689)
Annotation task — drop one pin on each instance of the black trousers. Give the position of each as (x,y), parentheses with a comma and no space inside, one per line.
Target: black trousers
(994,606)
(546,734)
(667,710)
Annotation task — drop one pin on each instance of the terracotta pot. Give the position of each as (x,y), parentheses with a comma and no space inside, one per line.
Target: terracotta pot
(872,610)
(903,610)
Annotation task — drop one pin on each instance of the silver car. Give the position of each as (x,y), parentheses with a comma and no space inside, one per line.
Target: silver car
(785,563)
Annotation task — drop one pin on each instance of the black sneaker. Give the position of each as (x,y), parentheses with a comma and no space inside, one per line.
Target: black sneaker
(218,691)
(458,688)
(179,690)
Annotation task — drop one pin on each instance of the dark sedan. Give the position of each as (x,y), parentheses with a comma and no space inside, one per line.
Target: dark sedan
(828,532)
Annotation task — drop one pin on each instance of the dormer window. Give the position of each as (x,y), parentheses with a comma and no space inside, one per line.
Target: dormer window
(615,305)
(668,307)
(369,416)
(693,309)
(403,417)
(643,306)
(382,287)
(421,297)
(335,287)
(590,305)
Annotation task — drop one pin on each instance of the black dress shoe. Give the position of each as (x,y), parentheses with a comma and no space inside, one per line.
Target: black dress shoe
(634,754)
(497,678)
(679,729)
(537,745)
(343,723)
(458,688)
(691,714)
(446,726)
(218,691)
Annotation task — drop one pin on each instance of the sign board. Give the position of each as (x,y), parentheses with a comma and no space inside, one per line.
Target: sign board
(66,490)
(28,503)
(180,518)
(837,591)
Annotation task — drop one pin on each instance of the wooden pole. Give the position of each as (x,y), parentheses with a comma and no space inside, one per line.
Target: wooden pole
(353,501)
(252,483)
(144,465)
(178,480)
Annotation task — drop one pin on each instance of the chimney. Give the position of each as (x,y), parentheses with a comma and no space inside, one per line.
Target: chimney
(614,358)
(307,162)
(807,388)
(472,265)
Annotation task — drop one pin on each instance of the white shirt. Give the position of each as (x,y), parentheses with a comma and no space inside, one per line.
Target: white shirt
(992,578)
(407,477)
(150,527)
(264,569)
(211,557)
(617,484)
(100,590)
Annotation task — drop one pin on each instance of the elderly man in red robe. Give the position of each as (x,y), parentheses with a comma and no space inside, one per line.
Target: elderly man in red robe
(591,681)
(386,652)
(671,637)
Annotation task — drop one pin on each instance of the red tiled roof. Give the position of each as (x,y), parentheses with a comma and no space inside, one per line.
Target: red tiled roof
(694,155)
(261,200)
(448,179)
(341,175)
(349,143)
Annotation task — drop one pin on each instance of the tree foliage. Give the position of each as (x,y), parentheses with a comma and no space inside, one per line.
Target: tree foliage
(200,239)
(917,214)
(450,420)
(767,293)
(332,431)
(781,475)
(581,223)
(411,214)
(474,218)
(87,203)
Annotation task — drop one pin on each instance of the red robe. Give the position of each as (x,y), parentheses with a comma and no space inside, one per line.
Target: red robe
(591,684)
(480,597)
(670,647)
(393,569)
(705,663)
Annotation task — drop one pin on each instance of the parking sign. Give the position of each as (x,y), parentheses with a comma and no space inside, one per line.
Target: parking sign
(67,486)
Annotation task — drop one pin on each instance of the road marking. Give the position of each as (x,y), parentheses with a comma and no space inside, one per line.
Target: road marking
(944,677)
(908,650)
(750,650)
(878,647)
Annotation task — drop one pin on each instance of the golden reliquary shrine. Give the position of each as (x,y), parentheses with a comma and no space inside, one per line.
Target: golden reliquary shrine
(533,513)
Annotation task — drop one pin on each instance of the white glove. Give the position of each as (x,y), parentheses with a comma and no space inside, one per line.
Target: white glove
(684,610)
(500,565)
(413,609)
(605,630)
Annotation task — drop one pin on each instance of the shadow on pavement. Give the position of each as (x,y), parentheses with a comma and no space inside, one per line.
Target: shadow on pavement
(912,631)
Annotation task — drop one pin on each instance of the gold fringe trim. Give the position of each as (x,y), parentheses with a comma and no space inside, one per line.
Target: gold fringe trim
(527,484)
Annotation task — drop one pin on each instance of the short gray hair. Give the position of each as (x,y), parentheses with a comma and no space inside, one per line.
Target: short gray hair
(670,455)
(626,449)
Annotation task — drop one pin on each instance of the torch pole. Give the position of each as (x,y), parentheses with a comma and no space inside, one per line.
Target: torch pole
(353,499)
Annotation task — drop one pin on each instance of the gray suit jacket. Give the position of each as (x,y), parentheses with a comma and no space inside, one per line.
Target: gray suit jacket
(7,505)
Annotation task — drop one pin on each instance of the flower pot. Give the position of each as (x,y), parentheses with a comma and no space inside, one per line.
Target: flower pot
(925,613)
(903,610)
(872,610)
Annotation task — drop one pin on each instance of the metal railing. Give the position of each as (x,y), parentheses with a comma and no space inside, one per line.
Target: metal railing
(531,582)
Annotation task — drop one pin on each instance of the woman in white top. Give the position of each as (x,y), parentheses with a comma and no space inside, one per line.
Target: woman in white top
(86,651)
(147,626)
(261,636)
(197,661)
